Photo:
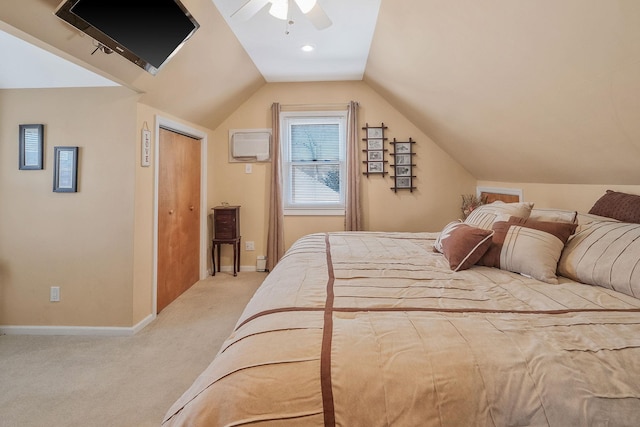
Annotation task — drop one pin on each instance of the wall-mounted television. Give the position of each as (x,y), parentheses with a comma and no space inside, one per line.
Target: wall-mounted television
(146,32)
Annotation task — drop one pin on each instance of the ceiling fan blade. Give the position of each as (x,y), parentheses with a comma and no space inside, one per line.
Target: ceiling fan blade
(319,18)
(249,9)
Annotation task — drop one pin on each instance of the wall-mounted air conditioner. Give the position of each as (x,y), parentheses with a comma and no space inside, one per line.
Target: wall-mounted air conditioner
(249,145)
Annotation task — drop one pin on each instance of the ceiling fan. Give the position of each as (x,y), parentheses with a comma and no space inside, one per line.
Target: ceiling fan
(281,9)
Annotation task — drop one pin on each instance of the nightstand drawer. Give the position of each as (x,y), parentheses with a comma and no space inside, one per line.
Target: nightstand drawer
(226,222)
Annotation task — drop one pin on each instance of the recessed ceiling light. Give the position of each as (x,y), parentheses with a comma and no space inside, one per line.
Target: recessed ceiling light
(308,48)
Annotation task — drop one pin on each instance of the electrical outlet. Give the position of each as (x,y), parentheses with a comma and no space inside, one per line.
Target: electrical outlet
(249,246)
(248,168)
(54,294)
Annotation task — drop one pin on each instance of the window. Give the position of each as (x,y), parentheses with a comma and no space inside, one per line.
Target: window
(313,162)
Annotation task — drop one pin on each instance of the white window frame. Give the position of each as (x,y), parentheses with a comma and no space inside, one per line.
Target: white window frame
(301,117)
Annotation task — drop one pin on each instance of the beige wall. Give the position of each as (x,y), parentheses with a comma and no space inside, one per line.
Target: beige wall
(440,180)
(80,241)
(97,244)
(562,196)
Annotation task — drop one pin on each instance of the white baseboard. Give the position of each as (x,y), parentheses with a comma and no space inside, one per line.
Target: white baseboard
(227,268)
(104,331)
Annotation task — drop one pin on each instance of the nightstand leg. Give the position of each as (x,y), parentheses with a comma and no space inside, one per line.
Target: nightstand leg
(213,258)
(219,250)
(239,252)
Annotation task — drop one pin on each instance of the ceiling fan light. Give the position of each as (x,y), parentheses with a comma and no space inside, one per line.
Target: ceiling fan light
(279,9)
(306,5)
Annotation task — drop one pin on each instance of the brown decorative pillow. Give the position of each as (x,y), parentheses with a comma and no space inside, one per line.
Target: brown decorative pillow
(437,246)
(463,245)
(621,206)
(529,247)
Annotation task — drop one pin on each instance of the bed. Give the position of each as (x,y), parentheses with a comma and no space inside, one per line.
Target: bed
(394,329)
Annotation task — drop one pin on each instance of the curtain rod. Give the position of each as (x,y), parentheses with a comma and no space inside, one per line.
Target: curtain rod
(313,106)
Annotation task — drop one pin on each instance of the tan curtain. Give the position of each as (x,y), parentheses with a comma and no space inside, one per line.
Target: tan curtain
(275,235)
(353,211)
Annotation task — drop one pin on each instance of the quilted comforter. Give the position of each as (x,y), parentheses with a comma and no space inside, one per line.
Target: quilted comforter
(374,329)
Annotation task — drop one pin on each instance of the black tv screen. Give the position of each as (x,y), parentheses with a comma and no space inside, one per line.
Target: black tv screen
(146,32)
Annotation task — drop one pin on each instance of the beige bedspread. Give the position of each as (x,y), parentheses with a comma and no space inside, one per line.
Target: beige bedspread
(373,329)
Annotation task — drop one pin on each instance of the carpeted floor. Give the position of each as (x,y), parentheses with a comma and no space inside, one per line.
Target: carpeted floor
(120,381)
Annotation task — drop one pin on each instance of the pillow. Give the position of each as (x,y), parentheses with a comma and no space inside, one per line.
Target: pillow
(604,253)
(529,247)
(463,245)
(554,215)
(621,206)
(585,218)
(484,216)
(437,246)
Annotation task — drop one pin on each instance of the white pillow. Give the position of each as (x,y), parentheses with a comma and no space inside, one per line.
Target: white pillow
(554,215)
(484,216)
(604,253)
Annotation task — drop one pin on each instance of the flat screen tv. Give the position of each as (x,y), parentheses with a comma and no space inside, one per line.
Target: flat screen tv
(146,32)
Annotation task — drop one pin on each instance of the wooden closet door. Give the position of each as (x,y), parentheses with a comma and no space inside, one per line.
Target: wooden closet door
(178,215)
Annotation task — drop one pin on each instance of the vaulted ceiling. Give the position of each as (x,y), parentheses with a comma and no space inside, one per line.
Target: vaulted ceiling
(516,91)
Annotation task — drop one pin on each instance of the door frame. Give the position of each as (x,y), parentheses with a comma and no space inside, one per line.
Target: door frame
(173,126)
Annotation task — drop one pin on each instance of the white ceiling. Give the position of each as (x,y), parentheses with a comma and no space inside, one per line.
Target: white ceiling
(508,98)
(30,66)
(341,51)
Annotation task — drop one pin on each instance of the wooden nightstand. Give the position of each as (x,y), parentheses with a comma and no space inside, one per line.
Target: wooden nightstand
(226,230)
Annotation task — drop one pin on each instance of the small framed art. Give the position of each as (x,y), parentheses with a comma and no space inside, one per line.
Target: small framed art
(403,165)
(403,170)
(374,150)
(403,159)
(31,143)
(375,167)
(65,169)
(403,182)
(375,132)
(375,144)
(374,156)
(403,147)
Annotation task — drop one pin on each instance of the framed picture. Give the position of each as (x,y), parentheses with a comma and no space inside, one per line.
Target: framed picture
(403,171)
(31,147)
(374,133)
(403,147)
(403,159)
(404,182)
(375,167)
(373,156)
(374,144)
(65,169)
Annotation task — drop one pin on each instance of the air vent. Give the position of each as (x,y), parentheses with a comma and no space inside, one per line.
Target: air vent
(249,145)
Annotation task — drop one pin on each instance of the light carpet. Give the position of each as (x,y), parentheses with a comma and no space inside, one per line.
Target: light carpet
(120,381)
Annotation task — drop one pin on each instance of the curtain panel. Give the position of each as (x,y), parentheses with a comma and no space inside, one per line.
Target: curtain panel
(353,210)
(275,234)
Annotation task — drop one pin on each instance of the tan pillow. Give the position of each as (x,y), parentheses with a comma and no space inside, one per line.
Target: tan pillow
(554,215)
(463,245)
(484,216)
(529,247)
(585,218)
(604,253)
(621,206)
